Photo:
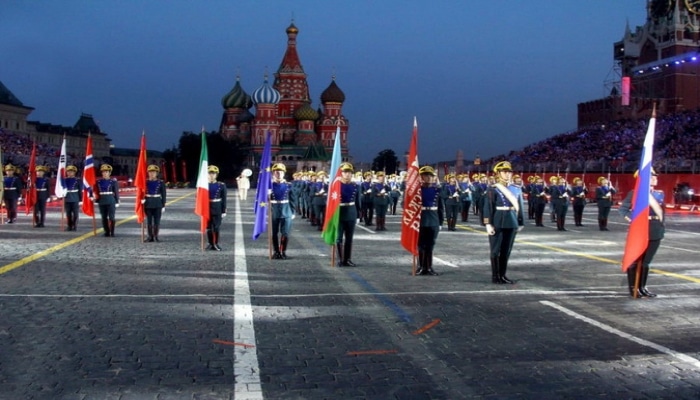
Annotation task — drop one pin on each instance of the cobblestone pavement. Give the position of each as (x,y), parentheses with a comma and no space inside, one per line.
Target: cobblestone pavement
(90,317)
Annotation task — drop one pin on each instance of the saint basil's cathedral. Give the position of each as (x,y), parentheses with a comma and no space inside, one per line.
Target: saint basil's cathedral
(302,138)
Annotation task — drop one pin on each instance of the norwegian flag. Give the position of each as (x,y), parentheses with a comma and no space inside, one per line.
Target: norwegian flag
(88,180)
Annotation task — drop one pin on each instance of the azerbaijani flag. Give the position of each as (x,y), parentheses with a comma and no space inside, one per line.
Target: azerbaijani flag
(413,201)
(60,189)
(88,179)
(330,223)
(140,181)
(264,185)
(201,206)
(638,233)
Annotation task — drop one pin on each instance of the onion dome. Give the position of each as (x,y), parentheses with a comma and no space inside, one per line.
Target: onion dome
(245,116)
(266,94)
(332,94)
(305,113)
(236,98)
(292,29)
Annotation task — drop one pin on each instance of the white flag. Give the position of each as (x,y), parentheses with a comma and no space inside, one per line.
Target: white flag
(60,190)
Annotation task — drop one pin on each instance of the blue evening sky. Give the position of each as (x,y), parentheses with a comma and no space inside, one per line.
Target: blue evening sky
(485,77)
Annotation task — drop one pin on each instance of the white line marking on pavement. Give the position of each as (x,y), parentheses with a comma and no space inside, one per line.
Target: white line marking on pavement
(680,356)
(678,248)
(246,368)
(443,262)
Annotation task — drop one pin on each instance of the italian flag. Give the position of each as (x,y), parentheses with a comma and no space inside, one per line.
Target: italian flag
(330,224)
(201,206)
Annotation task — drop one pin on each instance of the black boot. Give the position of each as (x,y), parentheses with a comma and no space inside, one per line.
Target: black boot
(215,235)
(502,267)
(600,225)
(156,230)
(105,226)
(605,224)
(347,253)
(210,240)
(276,255)
(283,246)
(631,276)
(643,285)
(421,263)
(429,261)
(339,250)
(150,234)
(111,228)
(495,278)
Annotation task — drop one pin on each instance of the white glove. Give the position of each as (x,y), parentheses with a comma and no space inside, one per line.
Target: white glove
(520,228)
(162,210)
(143,201)
(223,215)
(80,203)
(116,205)
(440,228)
(294,216)
(490,229)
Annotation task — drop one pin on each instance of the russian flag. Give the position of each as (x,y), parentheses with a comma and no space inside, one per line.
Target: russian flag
(638,233)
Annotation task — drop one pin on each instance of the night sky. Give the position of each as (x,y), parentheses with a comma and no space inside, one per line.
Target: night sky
(485,77)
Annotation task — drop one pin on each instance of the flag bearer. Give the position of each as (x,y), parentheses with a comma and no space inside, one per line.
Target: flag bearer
(42,196)
(431,219)
(282,208)
(217,207)
(349,210)
(381,193)
(154,202)
(107,196)
(12,192)
(73,198)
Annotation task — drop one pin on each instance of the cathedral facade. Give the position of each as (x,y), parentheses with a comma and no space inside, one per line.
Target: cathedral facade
(301,137)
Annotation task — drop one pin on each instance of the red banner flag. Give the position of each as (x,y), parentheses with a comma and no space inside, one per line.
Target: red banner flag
(31,181)
(184,170)
(88,180)
(164,170)
(140,182)
(172,169)
(410,220)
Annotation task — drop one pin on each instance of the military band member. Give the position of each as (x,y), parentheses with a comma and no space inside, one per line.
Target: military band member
(604,194)
(243,186)
(538,193)
(381,193)
(579,193)
(107,197)
(154,202)
(305,198)
(450,193)
(367,204)
(431,219)
(560,194)
(319,195)
(530,199)
(503,217)
(282,209)
(73,198)
(476,194)
(297,186)
(12,192)
(553,180)
(395,186)
(656,233)
(465,196)
(42,196)
(217,207)
(349,211)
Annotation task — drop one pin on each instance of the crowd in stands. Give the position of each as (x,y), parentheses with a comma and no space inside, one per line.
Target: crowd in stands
(615,147)
(17,149)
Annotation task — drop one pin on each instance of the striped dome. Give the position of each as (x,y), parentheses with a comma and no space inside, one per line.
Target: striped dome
(236,98)
(266,94)
(305,113)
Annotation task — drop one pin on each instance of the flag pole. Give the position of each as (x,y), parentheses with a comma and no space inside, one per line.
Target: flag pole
(268,215)
(637,277)
(333,251)
(142,237)
(94,225)
(413,264)
(63,209)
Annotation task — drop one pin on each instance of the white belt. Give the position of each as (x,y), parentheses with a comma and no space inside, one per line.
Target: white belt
(503,208)
(429,208)
(73,191)
(41,190)
(214,200)
(352,203)
(101,193)
(655,217)
(279,201)
(152,195)
(11,188)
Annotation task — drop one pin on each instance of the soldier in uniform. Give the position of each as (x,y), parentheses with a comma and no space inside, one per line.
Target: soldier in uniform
(282,209)
(503,217)
(217,207)
(107,197)
(450,193)
(603,195)
(530,199)
(656,233)
(297,184)
(154,202)
(538,194)
(12,192)
(579,193)
(431,219)
(42,195)
(552,182)
(395,186)
(367,204)
(319,194)
(348,212)
(381,193)
(560,194)
(465,196)
(74,197)
(309,193)
(476,193)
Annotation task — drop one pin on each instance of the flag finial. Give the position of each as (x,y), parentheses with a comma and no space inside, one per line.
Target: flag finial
(653,110)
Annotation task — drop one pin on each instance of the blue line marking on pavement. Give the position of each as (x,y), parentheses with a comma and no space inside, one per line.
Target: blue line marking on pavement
(385,300)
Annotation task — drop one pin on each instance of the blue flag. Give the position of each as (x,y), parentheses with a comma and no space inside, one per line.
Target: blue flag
(263,187)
